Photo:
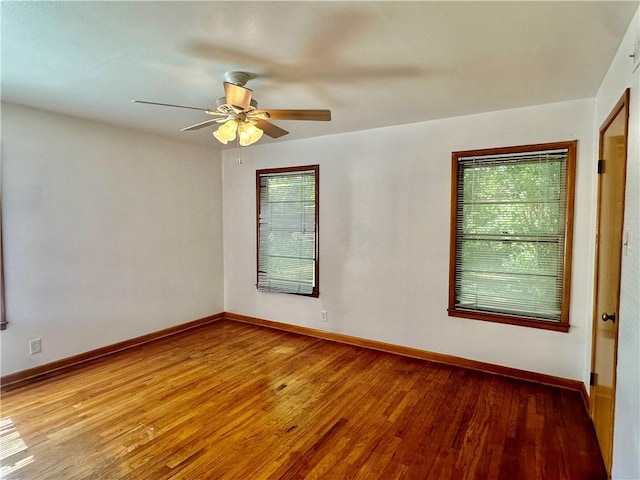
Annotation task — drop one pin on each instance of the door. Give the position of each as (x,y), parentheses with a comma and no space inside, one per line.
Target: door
(611,187)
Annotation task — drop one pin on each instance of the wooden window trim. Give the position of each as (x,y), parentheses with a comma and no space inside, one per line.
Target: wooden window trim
(3,311)
(284,170)
(453,311)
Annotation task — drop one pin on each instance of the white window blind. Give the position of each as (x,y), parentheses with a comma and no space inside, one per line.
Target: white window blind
(511,212)
(287,231)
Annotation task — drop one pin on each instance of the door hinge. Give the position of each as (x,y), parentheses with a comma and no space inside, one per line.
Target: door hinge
(600,166)
(592,379)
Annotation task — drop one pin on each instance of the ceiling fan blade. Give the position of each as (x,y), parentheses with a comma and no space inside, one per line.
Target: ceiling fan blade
(321,115)
(269,128)
(207,110)
(237,96)
(198,126)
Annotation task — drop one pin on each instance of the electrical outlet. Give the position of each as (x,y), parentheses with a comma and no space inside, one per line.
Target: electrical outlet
(324,315)
(35,346)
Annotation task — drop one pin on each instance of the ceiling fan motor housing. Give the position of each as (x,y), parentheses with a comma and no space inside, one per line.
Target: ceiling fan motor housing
(223,107)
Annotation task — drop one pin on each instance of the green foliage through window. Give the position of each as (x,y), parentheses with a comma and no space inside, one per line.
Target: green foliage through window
(510,233)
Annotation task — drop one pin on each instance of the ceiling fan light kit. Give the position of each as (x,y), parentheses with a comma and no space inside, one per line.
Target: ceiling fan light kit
(238,113)
(247,132)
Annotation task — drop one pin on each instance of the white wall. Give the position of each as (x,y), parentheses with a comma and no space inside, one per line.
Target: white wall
(384,236)
(109,234)
(626,443)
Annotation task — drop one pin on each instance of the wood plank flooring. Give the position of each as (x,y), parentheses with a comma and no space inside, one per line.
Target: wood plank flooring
(237,401)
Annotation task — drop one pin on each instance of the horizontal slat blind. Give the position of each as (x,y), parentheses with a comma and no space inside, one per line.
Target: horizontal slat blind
(510,234)
(287,232)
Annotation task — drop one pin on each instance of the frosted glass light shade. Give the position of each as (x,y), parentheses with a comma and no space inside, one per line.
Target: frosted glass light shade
(249,134)
(226,132)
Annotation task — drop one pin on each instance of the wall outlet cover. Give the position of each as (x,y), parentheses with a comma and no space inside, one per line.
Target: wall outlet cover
(35,346)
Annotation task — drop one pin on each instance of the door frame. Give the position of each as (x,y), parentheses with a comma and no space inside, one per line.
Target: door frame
(622,103)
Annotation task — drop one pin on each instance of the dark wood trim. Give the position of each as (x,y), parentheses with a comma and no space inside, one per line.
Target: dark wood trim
(18,379)
(278,170)
(497,318)
(453,311)
(257,228)
(623,102)
(316,287)
(285,170)
(451,360)
(572,154)
(534,147)
(453,233)
(585,398)
(3,310)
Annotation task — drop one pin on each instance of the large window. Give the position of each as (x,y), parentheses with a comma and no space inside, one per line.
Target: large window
(287,226)
(511,234)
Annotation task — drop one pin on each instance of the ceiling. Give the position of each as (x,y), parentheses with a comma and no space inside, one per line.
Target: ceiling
(373,64)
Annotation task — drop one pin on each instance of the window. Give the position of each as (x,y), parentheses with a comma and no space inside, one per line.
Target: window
(511,234)
(287,228)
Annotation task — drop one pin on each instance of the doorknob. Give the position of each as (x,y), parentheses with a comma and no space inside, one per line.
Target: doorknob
(609,316)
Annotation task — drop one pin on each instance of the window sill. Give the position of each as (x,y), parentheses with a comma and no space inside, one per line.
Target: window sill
(520,321)
(314,294)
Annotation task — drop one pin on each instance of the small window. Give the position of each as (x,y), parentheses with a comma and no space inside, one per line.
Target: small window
(287,229)
(511,234)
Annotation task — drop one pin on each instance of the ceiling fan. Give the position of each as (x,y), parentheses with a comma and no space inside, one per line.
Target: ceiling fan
(238,113)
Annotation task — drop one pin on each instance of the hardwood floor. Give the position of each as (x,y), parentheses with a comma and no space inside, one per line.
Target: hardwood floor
(238,401)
